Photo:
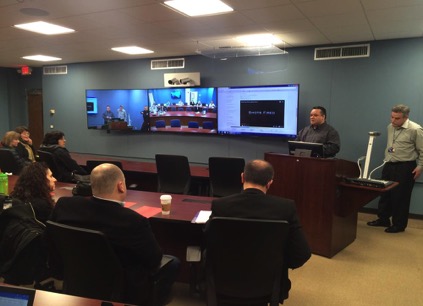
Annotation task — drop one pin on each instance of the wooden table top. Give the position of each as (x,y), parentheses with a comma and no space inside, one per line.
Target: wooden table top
(184,207)
(136,166)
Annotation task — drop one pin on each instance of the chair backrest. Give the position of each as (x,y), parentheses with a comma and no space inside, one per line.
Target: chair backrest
(173,173)
(160,124)
(91,267)
(8,162)
(245,259)
(91,164)
(225,175)
(175,123)
(193,124)
(23,259)
(50,160)
(208,125)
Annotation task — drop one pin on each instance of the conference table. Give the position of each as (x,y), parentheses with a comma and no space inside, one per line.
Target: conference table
(144,173)
(174,232)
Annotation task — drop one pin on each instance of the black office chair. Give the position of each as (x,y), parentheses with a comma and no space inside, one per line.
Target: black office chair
(91,267)
(23,258)
(49,159)
(225,175)
(173,173)
(244,260)
(8,162)
(91,164)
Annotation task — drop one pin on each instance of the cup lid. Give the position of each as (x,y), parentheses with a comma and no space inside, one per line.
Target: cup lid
(166,197)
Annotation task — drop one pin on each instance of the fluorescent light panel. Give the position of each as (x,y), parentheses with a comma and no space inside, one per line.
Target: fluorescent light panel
(132,50)
(199,7)
(257,40)
(44,28)
(41,58)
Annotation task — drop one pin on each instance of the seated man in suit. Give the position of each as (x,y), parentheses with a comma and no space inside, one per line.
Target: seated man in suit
(253,203)
(128,232)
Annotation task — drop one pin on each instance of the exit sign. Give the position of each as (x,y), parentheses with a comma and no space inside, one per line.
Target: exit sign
(25,70)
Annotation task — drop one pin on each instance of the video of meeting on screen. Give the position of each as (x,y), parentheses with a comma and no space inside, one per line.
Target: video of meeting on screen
(229,111)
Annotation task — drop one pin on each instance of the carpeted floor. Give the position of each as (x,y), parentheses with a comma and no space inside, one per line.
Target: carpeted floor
(376,269)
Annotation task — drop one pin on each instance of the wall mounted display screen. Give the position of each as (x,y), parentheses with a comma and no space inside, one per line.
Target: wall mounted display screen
(183,110)
(117,109)
(258,110)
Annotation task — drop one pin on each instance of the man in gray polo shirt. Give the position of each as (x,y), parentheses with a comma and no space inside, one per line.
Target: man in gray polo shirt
(403,164)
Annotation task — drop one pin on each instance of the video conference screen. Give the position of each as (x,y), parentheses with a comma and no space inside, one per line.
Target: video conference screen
(258,110)
(183,110)
(246,110)
(120,108)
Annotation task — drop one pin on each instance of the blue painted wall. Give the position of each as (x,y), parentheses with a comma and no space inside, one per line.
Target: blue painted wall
(358,94)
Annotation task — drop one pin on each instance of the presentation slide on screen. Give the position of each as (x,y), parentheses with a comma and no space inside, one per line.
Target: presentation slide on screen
(258,110)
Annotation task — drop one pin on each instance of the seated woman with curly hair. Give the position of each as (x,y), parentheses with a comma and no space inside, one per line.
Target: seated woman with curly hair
(36,185)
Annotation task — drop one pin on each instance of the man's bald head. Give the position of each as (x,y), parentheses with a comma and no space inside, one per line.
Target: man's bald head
(108,181)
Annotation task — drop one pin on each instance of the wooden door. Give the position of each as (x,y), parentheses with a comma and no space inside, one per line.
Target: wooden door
(35,117)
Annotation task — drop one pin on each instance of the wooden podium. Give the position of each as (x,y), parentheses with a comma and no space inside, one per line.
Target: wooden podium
(327,206)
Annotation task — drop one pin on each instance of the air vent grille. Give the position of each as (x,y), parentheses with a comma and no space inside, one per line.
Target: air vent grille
(55,70)
(175,63)
(341,52)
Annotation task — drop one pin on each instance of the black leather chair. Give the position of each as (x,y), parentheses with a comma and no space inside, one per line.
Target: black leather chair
(173,173)
(91,267)
(244,260)
(225,175)
(49,159)
(8,162)
(91,164)
(23,258)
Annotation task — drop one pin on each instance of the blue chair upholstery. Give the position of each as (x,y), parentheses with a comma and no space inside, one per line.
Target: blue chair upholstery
(160,124)
(175,123)
(193,124)
(208,125)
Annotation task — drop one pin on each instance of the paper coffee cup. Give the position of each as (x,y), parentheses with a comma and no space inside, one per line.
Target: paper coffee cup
(166,201)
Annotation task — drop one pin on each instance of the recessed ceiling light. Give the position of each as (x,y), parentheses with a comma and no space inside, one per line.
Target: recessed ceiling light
(41,58)
(132,50)
(257,40)
(44,28)
(199,7)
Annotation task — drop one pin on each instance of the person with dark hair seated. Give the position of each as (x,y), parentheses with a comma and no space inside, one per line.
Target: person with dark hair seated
(23,256)
(55,143)
(128,232)
(35,185)
(10,143)
(25,147)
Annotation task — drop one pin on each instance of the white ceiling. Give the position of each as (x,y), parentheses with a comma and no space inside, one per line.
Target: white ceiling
(103,24)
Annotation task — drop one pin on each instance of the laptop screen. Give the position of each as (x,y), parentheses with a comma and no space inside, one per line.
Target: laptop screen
(13,296)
